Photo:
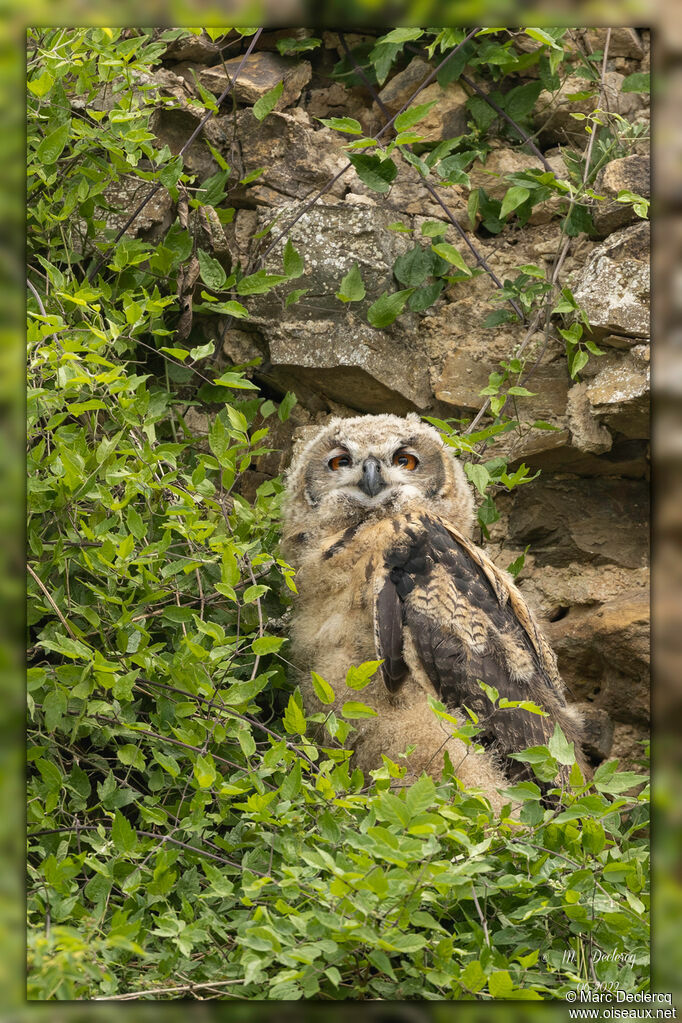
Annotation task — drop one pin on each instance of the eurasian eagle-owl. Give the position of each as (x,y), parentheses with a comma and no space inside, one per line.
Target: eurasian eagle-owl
(377,521)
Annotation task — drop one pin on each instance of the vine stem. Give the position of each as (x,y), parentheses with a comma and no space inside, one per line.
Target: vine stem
(223,96)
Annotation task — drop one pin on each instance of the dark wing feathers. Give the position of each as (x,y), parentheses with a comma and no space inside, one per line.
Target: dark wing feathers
(389,624)
(467,622)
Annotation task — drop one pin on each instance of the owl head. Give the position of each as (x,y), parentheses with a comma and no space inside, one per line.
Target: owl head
(373,466)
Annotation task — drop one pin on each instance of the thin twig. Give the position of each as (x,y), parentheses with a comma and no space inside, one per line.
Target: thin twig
(52,603)
(223,96)
(129,996)
(602,88)
(480,915)
(41,307)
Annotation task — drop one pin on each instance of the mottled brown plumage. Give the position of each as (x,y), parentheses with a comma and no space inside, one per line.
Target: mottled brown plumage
(377,522)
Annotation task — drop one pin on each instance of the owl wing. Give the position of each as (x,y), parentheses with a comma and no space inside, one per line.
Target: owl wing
(440,597)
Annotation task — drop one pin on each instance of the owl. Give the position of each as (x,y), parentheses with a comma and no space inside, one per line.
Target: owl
(378,516)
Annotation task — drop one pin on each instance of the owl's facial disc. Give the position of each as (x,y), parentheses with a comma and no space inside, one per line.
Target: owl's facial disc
(369,478)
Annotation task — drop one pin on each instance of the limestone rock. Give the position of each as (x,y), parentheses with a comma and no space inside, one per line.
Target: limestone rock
(603,654)
(614,290)
(116,204)
(331,239)
(552,113)
(465,373)
(587,520)
(347,362)
(198,48)
(625,458)
(260,73)
(587,434)
(396,93)
(446,119)
(324,352)
(631,173)
(619,393)
(295,158)
(174,126)
(623,41)
(597,731)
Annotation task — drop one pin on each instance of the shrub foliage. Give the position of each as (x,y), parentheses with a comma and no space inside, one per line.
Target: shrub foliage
(186,834)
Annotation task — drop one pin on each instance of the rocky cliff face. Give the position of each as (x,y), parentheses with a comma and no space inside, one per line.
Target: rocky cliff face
(585,518)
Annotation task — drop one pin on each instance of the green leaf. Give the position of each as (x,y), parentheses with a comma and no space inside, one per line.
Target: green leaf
(267,103)
(542,37)
(212,273)
(560,748)
(420,796)
(292,45)
(434,228)
(498,316)
(449,252)
(285,406)
(479,476)
(577,360)
(237,381)
(473,978)
(353,709)
(52,146)
(259,283)
(123,834)
(131,756)
(294,296)
(500,984)
(522,791)
(351,288)
(640,81)
(514,197)
(413,267)
(293,262)
(412,115)
(231,308)
(41,85)
(291,786)
(54,708)
(347,124)
(387,307)
(203,351)
(522,392)
(267,644)
(294,719)
(374,172)
(593,836)
(205,771)
(519,102)
(425,296)
(323,690)
(616,781)
(358,677)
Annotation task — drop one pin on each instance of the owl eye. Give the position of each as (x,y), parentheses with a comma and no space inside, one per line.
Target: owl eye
(405,460)
(339,462)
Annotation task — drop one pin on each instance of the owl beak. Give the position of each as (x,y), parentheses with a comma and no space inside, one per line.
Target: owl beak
(372,481)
